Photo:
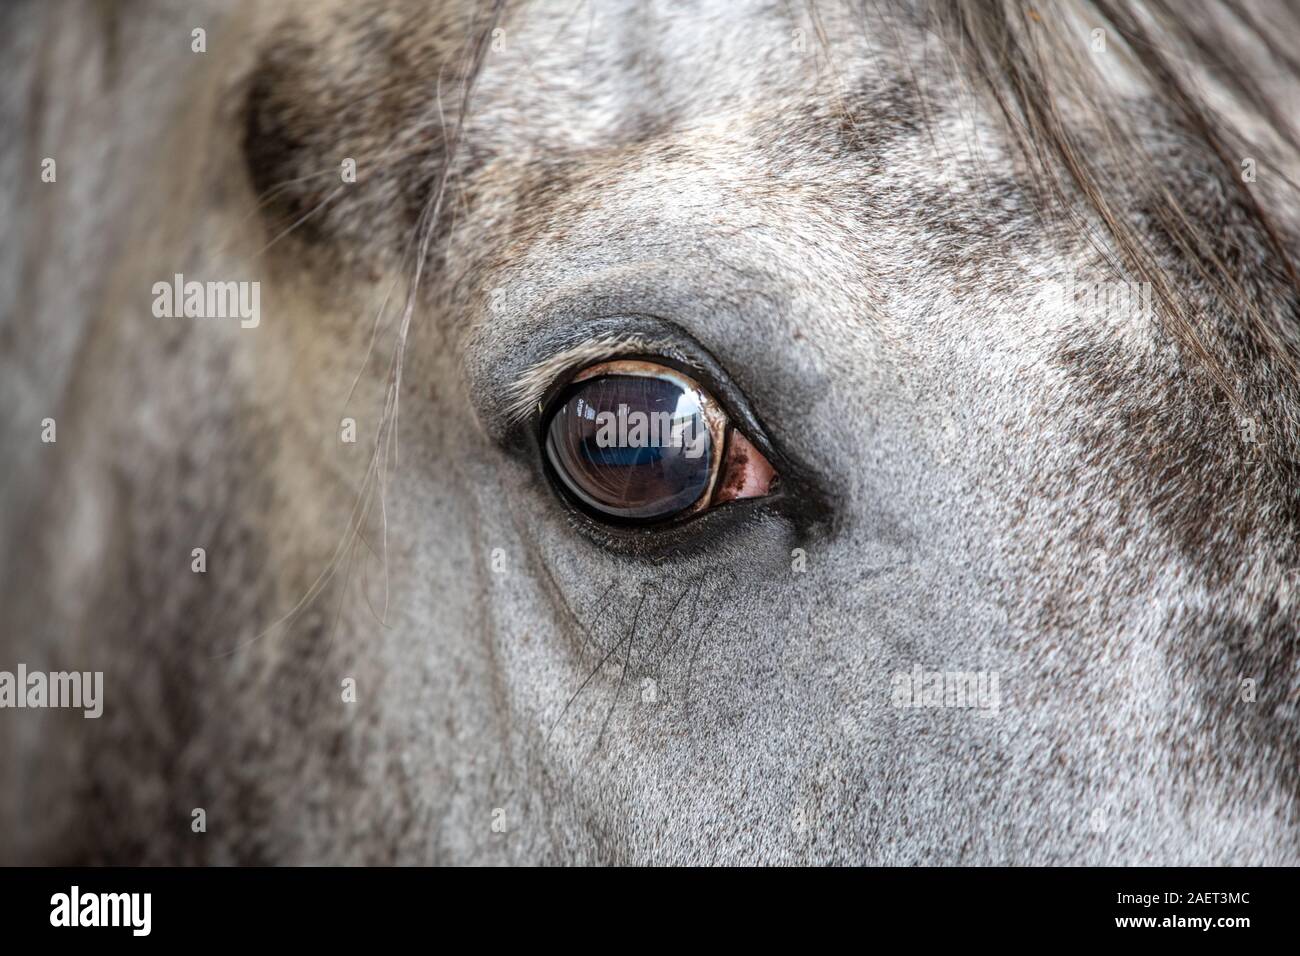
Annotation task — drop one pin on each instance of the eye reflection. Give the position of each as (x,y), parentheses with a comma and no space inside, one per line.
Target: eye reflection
(636,441)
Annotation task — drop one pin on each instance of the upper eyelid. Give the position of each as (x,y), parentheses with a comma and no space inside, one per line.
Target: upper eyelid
(528,390)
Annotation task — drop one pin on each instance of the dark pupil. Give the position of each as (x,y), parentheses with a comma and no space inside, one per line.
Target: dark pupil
(631,446)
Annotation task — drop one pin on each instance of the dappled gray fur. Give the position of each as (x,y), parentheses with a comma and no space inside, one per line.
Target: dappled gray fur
(840,207)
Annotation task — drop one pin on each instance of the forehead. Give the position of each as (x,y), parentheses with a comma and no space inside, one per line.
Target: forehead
(576,76)
(611,68)
(722,117)
(749,171)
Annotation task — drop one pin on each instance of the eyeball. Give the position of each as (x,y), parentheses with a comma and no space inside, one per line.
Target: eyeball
(635,441)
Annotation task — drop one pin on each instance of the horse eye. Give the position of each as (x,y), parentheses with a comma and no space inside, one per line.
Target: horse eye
(635,441)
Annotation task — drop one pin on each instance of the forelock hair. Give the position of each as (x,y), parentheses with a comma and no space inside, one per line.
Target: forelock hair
(1081,122)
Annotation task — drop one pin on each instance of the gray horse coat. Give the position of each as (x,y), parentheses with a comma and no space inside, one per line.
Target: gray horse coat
(1014,327)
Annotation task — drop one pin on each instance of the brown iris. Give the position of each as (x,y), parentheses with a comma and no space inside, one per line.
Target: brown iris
(638,441)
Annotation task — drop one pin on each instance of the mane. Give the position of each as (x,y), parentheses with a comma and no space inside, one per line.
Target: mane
(1080,121)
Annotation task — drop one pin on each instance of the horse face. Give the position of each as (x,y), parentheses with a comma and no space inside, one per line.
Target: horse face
(853,259)
(990,604)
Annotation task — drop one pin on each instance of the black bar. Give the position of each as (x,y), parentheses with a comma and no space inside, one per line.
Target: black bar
(333,906)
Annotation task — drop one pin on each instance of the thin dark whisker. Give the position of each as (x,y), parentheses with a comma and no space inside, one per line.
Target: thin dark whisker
(338,190)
